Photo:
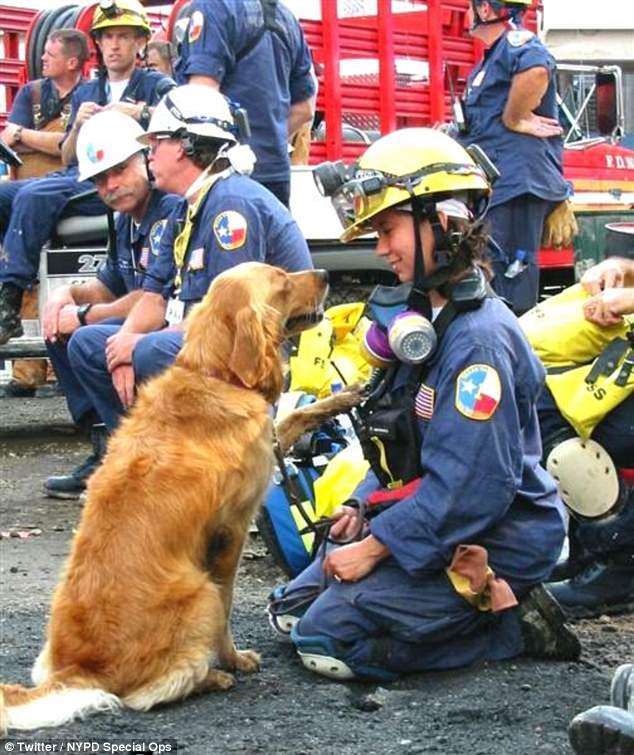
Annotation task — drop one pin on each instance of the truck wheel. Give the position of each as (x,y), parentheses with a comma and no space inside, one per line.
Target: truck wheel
(345,294)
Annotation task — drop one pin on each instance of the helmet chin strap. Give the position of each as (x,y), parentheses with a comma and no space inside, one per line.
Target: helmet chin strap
(444,248)
(509,20)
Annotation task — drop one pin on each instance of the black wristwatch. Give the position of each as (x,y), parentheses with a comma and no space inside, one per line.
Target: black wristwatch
(82,311)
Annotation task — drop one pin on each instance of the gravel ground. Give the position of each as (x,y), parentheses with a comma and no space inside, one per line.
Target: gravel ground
(521,707)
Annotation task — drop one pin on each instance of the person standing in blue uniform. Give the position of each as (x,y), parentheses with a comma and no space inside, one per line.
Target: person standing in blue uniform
(118,169)
(462,521)
(38,205)
(254,51)
(224,218)
(511,113)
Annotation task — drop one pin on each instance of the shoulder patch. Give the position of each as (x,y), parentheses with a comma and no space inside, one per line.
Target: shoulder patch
(478,391)
(156,233)
(196,23)
(519,37)
(230,229)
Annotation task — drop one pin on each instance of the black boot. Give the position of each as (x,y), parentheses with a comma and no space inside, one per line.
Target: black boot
(10,303)
(73,485)
(605,586)
(544,631)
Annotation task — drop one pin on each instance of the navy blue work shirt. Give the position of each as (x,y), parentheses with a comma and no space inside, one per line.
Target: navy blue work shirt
(50,103)
(482,482)
(527,164)
(143,86)
(272,75)
(238,221)
(137,245)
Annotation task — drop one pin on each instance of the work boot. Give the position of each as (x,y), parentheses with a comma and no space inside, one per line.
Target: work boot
(605,586)
(73,485)
(602,730)
(544,629)
(10,304)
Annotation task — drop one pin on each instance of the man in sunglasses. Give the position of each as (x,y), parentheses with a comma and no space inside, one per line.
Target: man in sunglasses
(118,169)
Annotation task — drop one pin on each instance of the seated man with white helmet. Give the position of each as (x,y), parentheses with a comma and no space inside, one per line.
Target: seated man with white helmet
(224,218)
(118,168)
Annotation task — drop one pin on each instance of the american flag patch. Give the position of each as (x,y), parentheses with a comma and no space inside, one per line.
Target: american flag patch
(424,402)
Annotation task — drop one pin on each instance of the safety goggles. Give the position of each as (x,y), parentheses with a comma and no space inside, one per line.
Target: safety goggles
(365,195)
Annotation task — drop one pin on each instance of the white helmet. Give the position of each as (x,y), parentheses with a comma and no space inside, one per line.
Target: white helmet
(193,109)
(105,140)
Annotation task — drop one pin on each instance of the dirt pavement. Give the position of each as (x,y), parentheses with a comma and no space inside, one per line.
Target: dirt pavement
(521,707)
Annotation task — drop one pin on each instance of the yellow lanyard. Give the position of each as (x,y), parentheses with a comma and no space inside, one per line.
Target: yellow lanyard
(181,242)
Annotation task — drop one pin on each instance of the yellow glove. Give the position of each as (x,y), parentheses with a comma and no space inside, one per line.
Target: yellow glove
(560,227)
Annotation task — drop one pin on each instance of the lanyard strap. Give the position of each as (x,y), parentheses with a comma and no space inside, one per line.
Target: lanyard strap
(181,243)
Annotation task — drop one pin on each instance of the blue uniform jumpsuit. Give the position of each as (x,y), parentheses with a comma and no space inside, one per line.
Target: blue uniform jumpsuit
(265,73)
(531,181)
(34,206)
(134,256)
(51,107)
(238,221)
(482,484)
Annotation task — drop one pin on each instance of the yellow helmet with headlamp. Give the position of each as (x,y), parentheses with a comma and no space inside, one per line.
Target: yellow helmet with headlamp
(399,167)
(110,13)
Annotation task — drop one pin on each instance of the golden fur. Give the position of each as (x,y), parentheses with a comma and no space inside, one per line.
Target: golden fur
(141,615)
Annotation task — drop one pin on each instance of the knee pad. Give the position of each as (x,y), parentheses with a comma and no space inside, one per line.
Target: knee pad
(586,477)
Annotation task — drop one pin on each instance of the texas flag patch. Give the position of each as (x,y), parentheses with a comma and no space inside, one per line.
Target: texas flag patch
(230,229)
(478,391)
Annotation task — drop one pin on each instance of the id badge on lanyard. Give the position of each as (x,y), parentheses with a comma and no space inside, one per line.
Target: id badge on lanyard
(175,312)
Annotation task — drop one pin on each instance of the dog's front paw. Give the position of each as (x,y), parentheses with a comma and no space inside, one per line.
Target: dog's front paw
(218,680)
(247,661)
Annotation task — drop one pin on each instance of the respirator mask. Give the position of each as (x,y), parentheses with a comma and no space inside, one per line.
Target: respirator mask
(397,333)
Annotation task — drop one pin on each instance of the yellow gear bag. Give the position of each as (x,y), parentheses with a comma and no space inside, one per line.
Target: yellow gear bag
(583,402)
(562,338)
(560,334)
(331,352)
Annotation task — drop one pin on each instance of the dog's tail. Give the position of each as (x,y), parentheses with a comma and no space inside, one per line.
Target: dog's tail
(51,704)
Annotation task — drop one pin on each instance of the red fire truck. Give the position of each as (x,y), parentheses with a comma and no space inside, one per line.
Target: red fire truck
(381,65)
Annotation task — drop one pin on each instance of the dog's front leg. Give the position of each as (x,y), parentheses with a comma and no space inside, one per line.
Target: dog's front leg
(223,557)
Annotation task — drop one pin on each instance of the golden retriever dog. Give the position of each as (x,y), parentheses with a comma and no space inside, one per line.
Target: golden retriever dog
(142,612)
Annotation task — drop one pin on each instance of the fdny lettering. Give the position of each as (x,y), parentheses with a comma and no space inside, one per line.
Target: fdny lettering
(623,162)
(230,229)
(478,391)
(424,402)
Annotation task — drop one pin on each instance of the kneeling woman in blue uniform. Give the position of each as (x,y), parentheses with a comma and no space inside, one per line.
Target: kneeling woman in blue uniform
(462,524)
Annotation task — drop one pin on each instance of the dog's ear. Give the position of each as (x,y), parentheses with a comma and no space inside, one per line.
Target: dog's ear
(247,358)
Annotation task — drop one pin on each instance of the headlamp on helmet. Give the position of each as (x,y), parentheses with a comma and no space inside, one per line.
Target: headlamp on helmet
(111,13)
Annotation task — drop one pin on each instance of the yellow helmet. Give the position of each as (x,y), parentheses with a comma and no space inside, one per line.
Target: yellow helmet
(413,162)
(110,13)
